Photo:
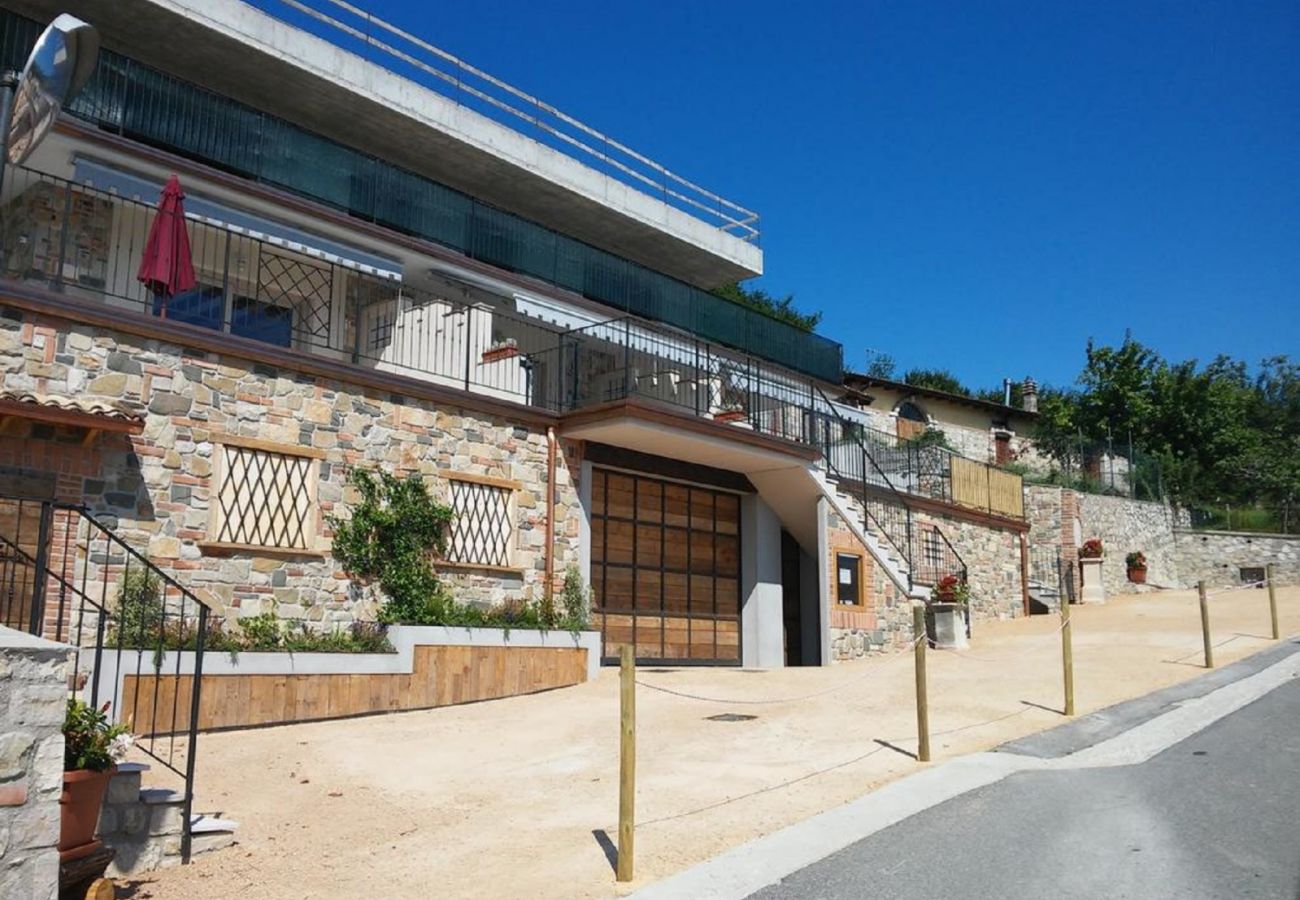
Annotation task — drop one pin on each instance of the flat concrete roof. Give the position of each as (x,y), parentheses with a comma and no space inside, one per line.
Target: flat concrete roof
(236,50)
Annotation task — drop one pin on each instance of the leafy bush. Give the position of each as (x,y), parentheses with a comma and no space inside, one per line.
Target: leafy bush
(89,741)
(576,599)
(139,607)
(1136,560)
(389,543)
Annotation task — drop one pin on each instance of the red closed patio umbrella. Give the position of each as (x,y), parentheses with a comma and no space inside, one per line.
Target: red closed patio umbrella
(167,269)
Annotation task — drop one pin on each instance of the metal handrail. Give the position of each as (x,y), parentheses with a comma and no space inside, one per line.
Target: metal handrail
(737,218)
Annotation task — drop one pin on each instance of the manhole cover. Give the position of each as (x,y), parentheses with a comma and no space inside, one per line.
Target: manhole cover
(730,717)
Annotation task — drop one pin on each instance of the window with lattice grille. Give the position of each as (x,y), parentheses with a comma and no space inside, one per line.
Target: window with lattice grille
(265,498)
(483,531)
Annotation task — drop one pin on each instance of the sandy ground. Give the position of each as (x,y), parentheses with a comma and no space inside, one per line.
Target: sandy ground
(514,798)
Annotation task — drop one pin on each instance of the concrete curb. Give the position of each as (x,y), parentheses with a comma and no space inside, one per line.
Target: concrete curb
(752,866)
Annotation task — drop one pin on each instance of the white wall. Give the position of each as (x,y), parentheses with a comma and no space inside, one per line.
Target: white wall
(762,622)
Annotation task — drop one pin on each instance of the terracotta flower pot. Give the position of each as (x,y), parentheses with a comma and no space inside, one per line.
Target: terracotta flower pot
(1138,576)
(79,805)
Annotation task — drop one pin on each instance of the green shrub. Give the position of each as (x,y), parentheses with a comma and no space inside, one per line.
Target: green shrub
(389,542)
(89,741)
(576,600)
(139,608)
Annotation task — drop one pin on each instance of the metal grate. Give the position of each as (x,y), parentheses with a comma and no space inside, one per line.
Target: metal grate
(482,530)
(303,286)
(265,499)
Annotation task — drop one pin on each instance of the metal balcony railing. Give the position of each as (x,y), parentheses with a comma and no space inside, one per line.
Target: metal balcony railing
(357,30)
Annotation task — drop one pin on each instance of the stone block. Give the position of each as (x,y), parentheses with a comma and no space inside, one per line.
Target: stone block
(135,819)
(165,819)
(13,754)
(124,787)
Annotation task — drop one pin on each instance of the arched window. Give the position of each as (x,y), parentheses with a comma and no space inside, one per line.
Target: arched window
(910,411)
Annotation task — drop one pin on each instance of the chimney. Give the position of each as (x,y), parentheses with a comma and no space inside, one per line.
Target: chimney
(1029,395)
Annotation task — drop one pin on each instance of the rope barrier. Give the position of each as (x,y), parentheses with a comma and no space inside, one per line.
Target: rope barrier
(1237,587)
(902,654)
(963,654)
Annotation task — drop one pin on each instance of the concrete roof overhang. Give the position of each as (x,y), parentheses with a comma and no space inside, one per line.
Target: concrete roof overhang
(234,49)
(661,430)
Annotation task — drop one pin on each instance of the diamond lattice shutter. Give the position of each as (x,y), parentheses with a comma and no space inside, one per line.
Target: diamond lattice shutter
(482,534)
(266,499)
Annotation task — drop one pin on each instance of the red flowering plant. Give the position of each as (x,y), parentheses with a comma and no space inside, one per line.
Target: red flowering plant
(951,589)
(1091,549)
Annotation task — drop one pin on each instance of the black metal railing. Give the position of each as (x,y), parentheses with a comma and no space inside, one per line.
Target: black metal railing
(66,576)
(626,358)
(850,457)
(88,243)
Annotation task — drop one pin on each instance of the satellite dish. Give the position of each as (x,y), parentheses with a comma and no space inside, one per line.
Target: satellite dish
(61,62)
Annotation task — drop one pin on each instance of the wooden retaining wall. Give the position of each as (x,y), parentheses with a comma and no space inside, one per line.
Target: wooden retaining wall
(442,676)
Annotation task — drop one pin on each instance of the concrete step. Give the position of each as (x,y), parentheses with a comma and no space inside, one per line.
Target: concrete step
(209,841)
(157,796)
(206,823)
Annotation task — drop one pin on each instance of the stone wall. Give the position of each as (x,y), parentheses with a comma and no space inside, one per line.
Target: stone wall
(156,489)
(885,616)
(1217,557)
(1126,525)
(992,558)
(33,696)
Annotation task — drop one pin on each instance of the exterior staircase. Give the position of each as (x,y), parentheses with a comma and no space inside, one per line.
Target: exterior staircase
(144,825)
(882,517)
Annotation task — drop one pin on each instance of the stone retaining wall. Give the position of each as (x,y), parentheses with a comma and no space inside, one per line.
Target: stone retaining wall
(1126,525)
(33,698)
(156,489)
(1217,557)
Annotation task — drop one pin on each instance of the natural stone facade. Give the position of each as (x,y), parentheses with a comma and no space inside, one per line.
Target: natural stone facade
(1061,519)
(992,557)
(1218,557)
(33,696)
(156,489)
(1125,526)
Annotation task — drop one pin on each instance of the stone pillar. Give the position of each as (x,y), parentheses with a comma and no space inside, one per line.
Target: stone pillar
(33,699)
(1094,589)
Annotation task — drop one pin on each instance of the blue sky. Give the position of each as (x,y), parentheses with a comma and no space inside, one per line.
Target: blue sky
(977,186)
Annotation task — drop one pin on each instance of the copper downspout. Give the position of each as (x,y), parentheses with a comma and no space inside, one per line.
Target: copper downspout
(550,511)
(1024,571)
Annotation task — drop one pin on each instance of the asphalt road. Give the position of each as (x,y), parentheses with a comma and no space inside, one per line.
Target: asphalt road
(1215,816)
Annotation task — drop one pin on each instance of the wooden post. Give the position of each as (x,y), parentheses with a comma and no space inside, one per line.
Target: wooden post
(1272,601)
(922,701)
(626,761)
(1205,624)
(1067,655)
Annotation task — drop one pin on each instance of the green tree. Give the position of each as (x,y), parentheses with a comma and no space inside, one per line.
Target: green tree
(781,308)
(936,380)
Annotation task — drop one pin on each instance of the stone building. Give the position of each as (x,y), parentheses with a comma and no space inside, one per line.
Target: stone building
(392,276)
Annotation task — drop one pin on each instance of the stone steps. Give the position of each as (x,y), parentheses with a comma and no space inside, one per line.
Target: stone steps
(144,825)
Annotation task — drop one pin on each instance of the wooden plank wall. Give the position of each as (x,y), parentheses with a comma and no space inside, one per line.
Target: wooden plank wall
(443,676)
(986,488)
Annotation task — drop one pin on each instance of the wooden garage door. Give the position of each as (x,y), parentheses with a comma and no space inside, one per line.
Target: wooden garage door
(665,568)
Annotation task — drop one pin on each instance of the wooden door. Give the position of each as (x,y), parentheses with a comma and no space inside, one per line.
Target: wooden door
(665,568)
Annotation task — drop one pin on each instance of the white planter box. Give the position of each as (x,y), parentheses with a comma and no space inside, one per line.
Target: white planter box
(949,632)
(1094,590)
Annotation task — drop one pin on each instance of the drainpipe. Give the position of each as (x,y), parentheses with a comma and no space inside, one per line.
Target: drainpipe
(1024,571)
(550,511)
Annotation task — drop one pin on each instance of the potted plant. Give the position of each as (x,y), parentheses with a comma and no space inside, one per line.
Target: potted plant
(92,747)
(1091,555)
(506,349)
(1136,562)
(945,612)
